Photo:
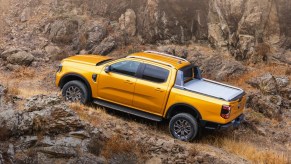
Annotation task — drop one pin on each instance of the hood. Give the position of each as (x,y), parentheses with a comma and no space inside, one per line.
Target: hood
(88,59)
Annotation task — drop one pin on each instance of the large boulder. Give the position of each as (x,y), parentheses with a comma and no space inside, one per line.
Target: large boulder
(9,51)
(127,22)
(42,114)
(269,84)
(95,35)
(64,31)
(21,58)
(221,68)
(270,105)
(105,47)
(266,83)
(245,26)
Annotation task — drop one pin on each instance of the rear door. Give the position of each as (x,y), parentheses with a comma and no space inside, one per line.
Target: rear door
(152,88)
(118,85)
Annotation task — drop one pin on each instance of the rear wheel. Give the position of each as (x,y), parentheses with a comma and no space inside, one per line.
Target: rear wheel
(184,127)
(75,91)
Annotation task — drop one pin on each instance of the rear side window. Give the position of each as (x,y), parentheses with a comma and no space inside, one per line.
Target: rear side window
(155,74)
(125,67)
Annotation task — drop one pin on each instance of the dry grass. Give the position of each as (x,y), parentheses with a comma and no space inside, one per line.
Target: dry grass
(13,89)
(252,153)
(118,145)
(93,115)
(249,151)
(24,73)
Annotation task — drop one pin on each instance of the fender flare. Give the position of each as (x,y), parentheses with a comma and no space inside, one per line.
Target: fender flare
(172,108)
(68,75)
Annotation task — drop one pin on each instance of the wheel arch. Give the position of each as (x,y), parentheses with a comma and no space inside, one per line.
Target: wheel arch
(74,76)
(183,108)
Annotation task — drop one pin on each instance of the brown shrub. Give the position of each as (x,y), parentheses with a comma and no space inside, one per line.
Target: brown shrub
(23,72)
(120,148)
(13,90)
(4,133)
(95,146)
(288,71)
(262,50)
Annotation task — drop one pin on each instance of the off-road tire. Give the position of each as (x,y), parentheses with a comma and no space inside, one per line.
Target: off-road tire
(191,126)
(83,96)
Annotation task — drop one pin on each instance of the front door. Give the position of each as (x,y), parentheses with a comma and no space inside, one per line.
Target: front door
(151,89)
(118,84)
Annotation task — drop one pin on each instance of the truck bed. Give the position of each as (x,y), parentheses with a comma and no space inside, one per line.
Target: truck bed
(214,89)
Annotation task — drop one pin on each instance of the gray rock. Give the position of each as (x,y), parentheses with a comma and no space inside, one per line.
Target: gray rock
(25,15)
(220,68)
(95,36)
(9,52)
(81,134)
(64,31)
(58,151)
(266,83)
(127,22)
(105,47)
(21,58)
(41,101)
(38,53)
(282,81)
(3,90)
(53,51)
(12,67)
(82,52)
(270,106)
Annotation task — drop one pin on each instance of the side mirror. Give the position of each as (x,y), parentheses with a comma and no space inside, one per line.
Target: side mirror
(107,69)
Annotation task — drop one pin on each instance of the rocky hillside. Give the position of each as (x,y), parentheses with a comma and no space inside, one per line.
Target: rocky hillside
(241,42)
(248,29)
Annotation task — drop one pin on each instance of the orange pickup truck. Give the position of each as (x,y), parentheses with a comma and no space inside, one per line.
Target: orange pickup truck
(155,86)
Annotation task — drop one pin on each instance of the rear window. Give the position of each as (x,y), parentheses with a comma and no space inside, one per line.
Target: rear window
(188,74)
(155,74)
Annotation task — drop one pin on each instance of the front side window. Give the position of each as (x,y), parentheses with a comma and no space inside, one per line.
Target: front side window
(125,67)
(155,74)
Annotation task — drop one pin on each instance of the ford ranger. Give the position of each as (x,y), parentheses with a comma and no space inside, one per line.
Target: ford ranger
(155,86)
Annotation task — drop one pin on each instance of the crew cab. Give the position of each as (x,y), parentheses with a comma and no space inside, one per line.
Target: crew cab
(155,86)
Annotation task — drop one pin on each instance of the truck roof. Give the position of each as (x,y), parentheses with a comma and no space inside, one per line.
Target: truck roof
(163,58)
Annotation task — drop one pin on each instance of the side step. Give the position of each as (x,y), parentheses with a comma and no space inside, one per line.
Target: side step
(128,110)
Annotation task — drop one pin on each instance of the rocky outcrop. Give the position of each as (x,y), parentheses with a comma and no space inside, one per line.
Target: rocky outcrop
(45,131)
(273,100)
(247,29)
(241,26)
(127,22)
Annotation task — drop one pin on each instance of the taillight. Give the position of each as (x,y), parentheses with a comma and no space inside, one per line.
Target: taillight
(225,111)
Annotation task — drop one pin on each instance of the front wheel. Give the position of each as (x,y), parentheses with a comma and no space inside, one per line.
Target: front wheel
(75,91)
(184,127)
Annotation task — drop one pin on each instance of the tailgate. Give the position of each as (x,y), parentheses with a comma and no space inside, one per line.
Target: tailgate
(237,107)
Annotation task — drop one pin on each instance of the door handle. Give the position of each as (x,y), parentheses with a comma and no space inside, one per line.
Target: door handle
(159,90)
(128,81)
